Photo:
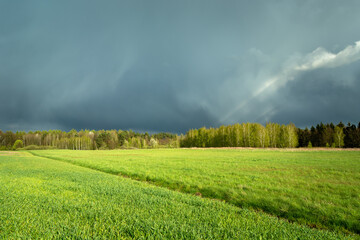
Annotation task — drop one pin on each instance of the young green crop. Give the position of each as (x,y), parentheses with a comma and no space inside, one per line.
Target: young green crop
(318,188)
(43,198)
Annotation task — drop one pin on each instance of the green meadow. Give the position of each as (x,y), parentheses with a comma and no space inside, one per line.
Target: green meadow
(320,189)
(45,198)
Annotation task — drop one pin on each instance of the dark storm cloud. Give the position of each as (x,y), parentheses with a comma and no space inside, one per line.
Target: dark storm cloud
(143,105)
(175,65)
(332,94)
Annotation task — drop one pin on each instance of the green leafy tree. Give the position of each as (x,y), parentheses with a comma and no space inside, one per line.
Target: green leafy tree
(273,131)
(153,143)
(18,144)
(292,136)
(339,136)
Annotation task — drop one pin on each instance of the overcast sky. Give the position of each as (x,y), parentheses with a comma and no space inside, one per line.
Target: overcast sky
(173,65)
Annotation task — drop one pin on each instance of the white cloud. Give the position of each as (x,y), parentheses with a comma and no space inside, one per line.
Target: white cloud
(320,58)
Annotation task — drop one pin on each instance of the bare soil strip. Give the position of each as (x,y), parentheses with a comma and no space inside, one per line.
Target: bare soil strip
(8,153)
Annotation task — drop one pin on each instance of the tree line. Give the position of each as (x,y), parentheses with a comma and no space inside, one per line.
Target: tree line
(329,135)
(243,135)
(86,140)
(271,135)
(274,135)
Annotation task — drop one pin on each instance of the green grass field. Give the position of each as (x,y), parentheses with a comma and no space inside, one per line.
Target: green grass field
(317,188)
(45,198)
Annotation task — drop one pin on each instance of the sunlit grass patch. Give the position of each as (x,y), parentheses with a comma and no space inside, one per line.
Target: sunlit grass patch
(43,198)
(317,188)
